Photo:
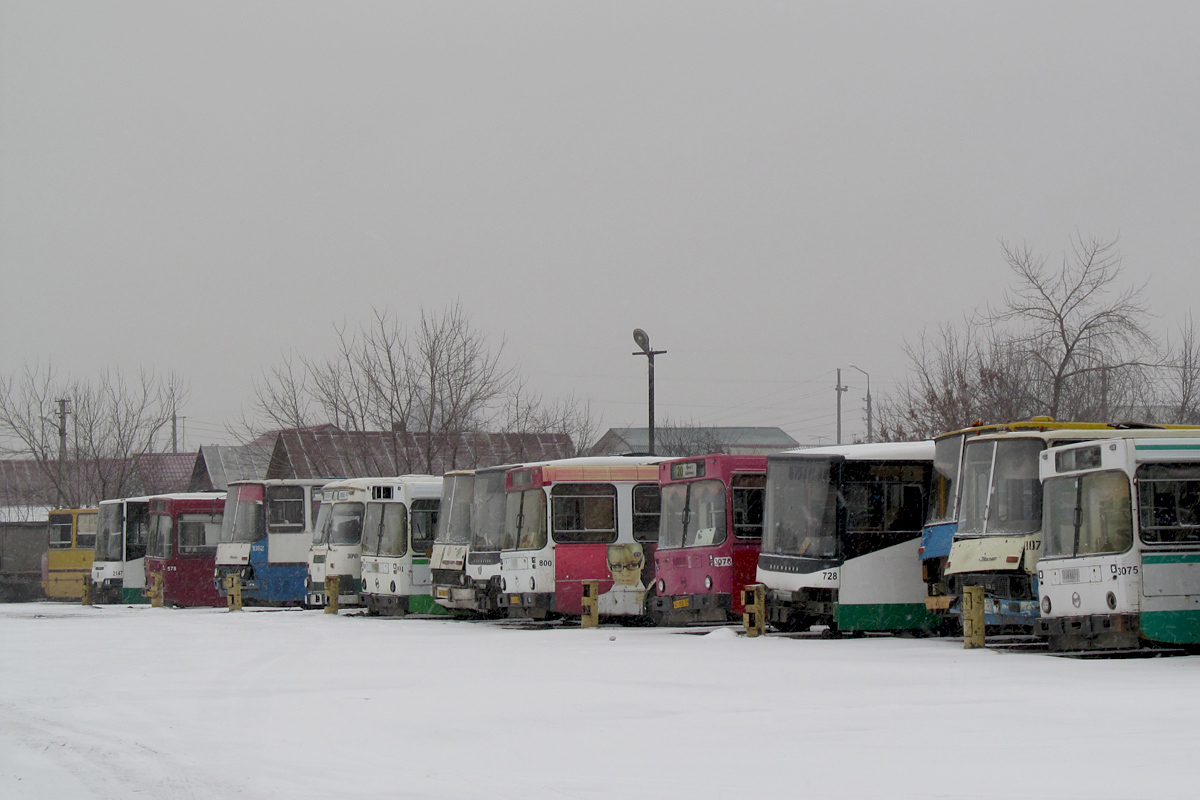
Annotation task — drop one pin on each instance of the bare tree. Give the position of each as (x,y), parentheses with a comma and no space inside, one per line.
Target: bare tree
(112,419)
(683,438)
(1066,342)
(1183,369)
(1085,335)
(428,385)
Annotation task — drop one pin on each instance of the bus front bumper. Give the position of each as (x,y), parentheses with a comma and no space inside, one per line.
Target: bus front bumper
(526,600)
(1090,632)
(698,603)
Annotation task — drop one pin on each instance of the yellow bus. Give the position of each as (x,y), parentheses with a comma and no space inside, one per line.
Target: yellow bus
(69,557)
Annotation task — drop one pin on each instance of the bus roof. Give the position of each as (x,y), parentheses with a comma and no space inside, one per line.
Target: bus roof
(1068,435)
(879,451)
(141,499)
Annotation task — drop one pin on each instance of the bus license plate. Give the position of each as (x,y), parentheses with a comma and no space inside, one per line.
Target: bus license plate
(514,599)
(681,603)
(443,592)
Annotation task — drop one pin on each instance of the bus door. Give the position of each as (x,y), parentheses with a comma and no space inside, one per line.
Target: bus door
(747,498)
(423,515)
(881,584)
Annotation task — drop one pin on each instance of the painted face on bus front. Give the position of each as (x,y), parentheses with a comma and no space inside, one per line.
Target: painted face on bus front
(625,562)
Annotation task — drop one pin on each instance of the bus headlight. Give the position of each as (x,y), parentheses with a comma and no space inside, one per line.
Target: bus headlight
(1112,601)
(532,584)
(393,586)
(1045,605)
(504,584)
(708,582)
(662,586)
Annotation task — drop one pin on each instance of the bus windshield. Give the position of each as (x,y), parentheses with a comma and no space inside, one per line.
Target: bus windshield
(487,512)
(458,495)
(525,520)
(1088,514)
(345,523)
(693,514)
(947,454)
(1001,493)
(1169,503)
(321,527)
(109,538)
(159,545)
(243,519)
(801,509)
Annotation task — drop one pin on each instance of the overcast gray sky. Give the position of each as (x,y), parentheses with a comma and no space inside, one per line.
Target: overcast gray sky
(771,190)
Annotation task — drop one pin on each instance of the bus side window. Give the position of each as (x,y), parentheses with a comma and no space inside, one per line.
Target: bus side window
(748,511)
(60,531)
(647,504)
(285,509)
(423,524)
(85,531)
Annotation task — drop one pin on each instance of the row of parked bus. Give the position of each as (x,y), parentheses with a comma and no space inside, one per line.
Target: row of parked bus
(1086,534)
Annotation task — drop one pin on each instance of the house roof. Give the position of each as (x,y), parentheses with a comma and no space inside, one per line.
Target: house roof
(637,440)
(216,465)
(159,473)
(333,453)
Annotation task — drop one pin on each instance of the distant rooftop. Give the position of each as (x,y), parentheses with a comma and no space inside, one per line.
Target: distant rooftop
(696,440)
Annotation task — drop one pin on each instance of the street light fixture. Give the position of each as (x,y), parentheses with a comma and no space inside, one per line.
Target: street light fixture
(870,424)
(643,341)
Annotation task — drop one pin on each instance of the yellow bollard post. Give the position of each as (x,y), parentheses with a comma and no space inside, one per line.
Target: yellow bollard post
(233,592)
(591,605)
(754,598)
(86,599)
(331,594)
(972,617)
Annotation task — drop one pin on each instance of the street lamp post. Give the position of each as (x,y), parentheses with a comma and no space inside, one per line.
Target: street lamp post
(643,341)
(870,423)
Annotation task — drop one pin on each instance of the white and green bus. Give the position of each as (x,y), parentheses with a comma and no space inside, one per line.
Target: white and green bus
(1120,564)
(374,536)
(840,537)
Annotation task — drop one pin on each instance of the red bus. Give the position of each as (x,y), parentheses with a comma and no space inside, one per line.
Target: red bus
(574,520)
(709,537)
(182,547)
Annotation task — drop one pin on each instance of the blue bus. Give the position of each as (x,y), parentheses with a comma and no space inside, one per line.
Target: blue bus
(265,536)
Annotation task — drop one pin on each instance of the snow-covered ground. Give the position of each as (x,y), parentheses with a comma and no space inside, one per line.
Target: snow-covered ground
(119,702)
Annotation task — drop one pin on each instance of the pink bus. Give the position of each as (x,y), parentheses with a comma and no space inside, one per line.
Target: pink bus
(182,547)
(574,520)
(709,537)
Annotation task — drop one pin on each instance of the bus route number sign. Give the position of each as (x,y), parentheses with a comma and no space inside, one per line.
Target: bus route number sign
(688,469)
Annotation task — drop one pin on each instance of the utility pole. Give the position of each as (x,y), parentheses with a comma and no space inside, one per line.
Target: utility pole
(174,441)
(870,424)
(839,389)
(62,447)
(643,341)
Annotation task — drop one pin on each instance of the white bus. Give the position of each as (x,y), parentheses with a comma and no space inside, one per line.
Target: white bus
(122,532)
(841,532)
(580,519)
(1120,561)
(466,552)
(398,529)
(337,542)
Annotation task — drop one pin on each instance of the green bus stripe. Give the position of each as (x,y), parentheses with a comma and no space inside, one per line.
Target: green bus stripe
(1167,447)
(884,617)
(1170,558)
(1172,627)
